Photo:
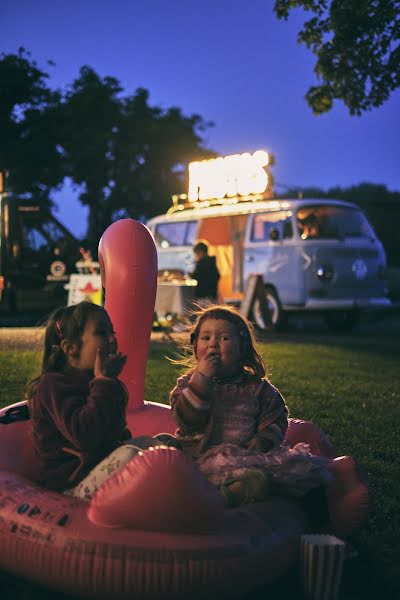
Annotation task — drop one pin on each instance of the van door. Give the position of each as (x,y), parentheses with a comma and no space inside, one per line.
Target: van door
(224,236)
(272,251)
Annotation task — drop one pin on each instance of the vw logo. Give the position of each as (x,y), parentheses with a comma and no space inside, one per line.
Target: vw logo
(359,268)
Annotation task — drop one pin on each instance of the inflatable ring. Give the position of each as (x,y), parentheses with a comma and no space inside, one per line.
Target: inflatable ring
(176,538)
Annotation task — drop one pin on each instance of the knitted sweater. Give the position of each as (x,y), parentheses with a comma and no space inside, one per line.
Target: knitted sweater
(77,420)
(246,410)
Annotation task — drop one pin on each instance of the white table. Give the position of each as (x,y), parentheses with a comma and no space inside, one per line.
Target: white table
(173,298)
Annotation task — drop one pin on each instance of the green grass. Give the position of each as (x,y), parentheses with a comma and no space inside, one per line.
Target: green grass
(348,386)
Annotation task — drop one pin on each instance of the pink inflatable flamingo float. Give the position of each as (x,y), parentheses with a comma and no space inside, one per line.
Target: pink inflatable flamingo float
(128,263)
(156,529)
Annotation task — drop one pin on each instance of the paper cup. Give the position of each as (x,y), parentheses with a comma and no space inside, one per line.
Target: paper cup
(321,565)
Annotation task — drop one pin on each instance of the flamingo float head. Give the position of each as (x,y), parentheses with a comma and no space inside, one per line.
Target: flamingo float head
(128,264)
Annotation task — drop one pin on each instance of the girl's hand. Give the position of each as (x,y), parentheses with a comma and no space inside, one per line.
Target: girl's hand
(110,365)
(208,365)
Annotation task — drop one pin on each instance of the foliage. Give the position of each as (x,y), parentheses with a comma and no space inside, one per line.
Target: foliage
(91,113)
(28,125)
(125,156)
(356,43)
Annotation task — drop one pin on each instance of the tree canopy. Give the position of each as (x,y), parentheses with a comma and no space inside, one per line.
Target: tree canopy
(28,114)
(356,43)
(125,156)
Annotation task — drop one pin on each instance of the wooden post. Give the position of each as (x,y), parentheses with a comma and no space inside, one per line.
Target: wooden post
(255,290)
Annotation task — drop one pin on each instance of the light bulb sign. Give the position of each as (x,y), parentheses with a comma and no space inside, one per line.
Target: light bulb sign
(228,176)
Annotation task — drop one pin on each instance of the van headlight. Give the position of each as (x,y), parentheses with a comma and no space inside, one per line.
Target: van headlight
(325,273)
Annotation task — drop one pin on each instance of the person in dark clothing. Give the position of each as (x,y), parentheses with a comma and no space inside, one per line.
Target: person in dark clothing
(206,273)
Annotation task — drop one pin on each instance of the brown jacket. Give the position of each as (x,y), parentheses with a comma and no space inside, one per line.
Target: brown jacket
(77,420)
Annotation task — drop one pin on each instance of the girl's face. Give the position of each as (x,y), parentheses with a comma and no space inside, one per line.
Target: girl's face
(220,339)
(98,333)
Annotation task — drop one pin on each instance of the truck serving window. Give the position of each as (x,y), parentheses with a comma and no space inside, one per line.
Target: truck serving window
(332,222)
(43,234)
(271,225)
(181,233)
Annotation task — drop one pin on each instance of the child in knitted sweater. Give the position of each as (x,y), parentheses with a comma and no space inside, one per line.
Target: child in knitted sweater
(232,420)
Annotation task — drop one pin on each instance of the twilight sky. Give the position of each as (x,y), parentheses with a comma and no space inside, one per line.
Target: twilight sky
(231,61)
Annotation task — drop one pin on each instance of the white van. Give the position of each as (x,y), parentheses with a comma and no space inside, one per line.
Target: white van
(313,255)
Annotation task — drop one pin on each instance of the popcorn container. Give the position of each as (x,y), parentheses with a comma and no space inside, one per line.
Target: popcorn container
(321,566)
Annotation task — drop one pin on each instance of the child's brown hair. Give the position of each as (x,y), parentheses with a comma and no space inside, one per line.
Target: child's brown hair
(66,322)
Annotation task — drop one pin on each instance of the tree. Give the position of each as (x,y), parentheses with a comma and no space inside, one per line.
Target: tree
(29,121)
(91,111)
(356,43)
(125,154)
(152,148)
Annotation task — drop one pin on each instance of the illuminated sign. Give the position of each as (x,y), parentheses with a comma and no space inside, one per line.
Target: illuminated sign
(234,175)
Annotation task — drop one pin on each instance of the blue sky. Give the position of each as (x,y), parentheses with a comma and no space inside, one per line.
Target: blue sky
(230,61)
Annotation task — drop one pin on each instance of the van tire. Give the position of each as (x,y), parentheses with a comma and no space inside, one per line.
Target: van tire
(342,320)
(275,318)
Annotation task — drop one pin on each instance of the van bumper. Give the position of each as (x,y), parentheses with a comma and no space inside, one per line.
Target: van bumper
(348,304)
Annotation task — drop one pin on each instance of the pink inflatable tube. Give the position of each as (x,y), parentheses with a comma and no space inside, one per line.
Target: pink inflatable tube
(157,529)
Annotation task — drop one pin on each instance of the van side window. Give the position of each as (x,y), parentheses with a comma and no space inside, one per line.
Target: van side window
(271,225)
(181,233)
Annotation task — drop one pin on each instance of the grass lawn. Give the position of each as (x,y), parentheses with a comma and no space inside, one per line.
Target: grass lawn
(349,386)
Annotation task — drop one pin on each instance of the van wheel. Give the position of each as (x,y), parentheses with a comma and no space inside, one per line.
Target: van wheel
(342,320)
(272,319)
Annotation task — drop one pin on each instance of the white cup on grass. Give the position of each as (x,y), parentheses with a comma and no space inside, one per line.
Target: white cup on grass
(321,565)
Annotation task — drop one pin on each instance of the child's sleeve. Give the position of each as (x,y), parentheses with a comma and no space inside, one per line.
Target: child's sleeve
(190,403)
(272,421)
(90,423)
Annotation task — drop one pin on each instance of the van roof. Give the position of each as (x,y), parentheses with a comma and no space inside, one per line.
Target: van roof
(241,208)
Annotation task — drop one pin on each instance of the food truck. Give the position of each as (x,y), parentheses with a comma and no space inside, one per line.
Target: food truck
(37,255)
(313,255)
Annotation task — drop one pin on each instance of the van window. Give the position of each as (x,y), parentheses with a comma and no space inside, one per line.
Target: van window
(181,233)
(274,221)
(332,222)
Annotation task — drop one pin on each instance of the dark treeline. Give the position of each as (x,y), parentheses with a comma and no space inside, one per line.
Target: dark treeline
(125,156)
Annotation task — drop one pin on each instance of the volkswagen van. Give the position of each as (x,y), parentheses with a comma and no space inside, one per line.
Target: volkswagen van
(314,256)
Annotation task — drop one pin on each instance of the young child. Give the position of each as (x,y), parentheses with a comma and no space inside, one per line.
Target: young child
(78,404)
(230,418)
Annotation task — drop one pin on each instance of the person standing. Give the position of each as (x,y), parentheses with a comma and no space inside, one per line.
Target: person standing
(205,273)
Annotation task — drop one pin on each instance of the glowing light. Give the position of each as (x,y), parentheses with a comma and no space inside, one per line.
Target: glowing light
(237,174)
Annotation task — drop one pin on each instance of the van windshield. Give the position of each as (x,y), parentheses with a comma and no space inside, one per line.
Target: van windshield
(329,221)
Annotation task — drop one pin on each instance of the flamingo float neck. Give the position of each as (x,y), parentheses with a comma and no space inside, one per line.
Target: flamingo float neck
(128,263)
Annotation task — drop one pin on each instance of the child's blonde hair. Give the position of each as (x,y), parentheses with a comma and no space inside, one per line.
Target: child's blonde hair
(251,358)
